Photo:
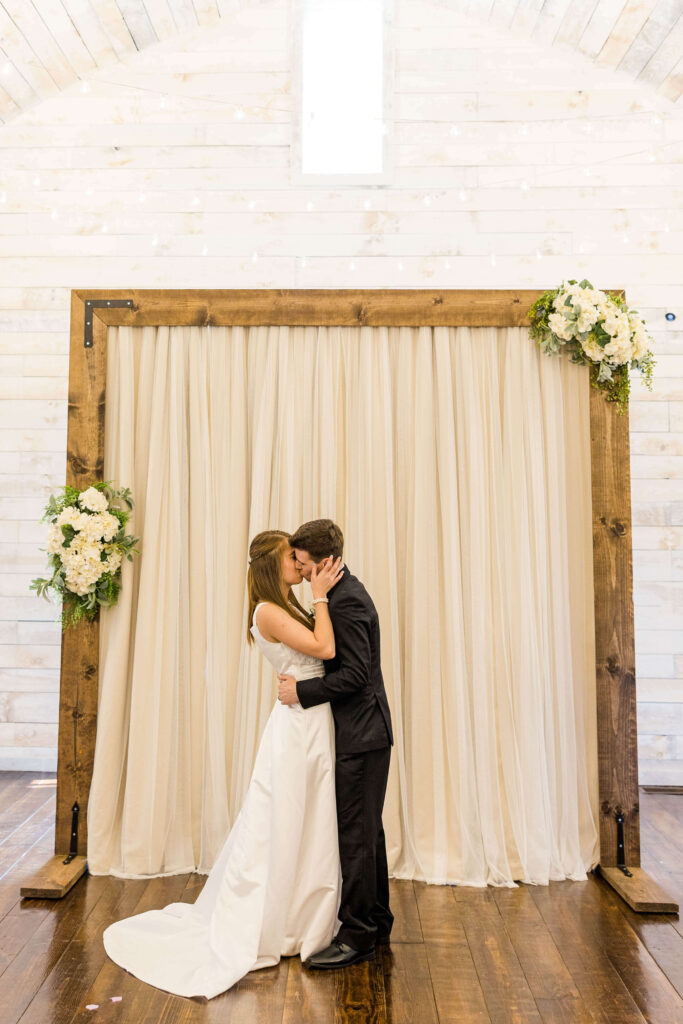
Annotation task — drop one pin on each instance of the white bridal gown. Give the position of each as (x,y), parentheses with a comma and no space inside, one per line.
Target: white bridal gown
(274,889)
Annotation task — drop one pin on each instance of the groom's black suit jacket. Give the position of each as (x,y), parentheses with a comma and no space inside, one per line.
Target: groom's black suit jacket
(353,681)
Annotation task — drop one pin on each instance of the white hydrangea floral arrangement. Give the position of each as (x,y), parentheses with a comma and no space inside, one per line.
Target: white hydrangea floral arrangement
(86,545)
(600,331)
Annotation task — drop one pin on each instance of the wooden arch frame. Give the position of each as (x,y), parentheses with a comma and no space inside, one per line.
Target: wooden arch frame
(92,312)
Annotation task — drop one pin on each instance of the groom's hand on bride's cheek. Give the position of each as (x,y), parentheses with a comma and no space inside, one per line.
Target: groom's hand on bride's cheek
(286,690)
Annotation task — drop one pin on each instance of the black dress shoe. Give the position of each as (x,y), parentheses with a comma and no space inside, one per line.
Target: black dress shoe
(337,954)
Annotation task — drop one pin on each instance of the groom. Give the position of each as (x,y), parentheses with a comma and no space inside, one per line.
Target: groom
(354,687)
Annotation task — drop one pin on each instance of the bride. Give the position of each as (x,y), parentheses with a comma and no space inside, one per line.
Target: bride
(274,889)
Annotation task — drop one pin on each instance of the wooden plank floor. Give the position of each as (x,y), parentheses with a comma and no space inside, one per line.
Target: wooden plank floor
(567,953)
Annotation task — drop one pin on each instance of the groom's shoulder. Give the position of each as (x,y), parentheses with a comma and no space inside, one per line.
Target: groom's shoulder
(353,591)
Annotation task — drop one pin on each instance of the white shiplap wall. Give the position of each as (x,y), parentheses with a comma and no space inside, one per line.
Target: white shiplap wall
(515,166)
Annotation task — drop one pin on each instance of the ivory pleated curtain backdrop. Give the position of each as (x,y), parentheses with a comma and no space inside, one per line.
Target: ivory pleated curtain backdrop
(457,461)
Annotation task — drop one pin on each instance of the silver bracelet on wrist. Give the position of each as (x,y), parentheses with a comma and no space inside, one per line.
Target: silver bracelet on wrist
(317,600)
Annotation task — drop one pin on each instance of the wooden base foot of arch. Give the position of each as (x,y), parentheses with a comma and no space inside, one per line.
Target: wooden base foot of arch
(55,878)
(640,890)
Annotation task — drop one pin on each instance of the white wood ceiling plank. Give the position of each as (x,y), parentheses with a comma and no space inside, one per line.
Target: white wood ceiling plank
(14,82)
(672,86)
(27,63)
(651,36)
(184,15)
(121,21)
(549,19)
(206,12)
(65,34)
(626,28)
(161,18)
(90,30)
(8,108)
(600,25)
(662,63)
(31,25)
(572,26)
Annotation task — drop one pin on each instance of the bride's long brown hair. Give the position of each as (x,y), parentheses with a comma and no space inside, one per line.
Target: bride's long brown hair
(264,578)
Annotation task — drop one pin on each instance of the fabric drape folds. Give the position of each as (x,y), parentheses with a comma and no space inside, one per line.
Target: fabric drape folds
(457,462)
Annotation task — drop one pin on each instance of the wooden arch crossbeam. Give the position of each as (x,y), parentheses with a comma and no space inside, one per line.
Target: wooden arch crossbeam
(92,312)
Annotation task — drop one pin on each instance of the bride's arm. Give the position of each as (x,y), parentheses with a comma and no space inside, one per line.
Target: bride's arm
(275,624)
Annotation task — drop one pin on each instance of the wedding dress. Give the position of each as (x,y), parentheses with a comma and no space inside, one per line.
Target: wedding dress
(274,889)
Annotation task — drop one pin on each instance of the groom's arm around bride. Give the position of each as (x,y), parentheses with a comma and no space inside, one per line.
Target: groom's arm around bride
(354,687)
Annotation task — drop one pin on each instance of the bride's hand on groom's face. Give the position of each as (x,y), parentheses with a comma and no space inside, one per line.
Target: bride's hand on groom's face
(325,575)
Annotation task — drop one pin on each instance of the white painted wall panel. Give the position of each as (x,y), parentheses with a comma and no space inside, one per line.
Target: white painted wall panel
(515,167)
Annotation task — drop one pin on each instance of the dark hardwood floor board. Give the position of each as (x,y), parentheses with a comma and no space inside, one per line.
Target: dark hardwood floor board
(656,934)
(44,946)
(67,985)
(556,995)
(309,995)
(438,913)
(597,979)
(22,810)
(509,999)
(613,933)
(257,999)
(12,785)
(407,984)
(24,864)
(403,903)
(359,994)
(112,980)
(458,994)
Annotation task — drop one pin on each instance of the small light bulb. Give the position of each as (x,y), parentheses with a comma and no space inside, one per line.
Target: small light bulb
(524,129)
(105,227)
(493,259)
(352,265)
(304,263)
(539,254)
(239,114)
(36,180)
(205,251)
(196,200)
(54,215)
(454,129)
(3,197)
(427,200)
(155,240)
(89,190)
(462,194)
(85,87)
(367,205)
(142,197)
(309,207)
(400,268)
(254,257)
(251,205)
(162,102)
(7,68)
(524,186)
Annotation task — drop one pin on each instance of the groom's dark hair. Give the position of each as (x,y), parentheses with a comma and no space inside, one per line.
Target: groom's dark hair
(320,537)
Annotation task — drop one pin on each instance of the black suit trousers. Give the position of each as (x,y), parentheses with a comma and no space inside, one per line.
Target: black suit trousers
(360,783)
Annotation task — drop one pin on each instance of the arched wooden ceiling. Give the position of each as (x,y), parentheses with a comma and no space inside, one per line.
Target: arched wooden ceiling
(46,45)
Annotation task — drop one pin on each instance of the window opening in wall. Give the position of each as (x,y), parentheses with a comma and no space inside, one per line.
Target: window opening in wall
(343,64)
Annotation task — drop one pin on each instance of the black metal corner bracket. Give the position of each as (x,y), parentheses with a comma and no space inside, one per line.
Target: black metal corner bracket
(73,845)
(91,304)
(621,862)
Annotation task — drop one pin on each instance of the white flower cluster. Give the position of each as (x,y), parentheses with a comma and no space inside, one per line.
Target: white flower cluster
(579,310)
(93,531)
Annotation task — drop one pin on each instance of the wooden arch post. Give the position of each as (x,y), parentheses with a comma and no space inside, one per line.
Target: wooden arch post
(92,312)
